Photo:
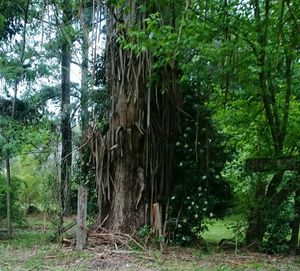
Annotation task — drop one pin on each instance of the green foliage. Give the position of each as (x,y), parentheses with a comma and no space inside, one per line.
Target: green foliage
(190,223)
(10,13)
(278,229)
(199,189)
(144,231)
(17,213)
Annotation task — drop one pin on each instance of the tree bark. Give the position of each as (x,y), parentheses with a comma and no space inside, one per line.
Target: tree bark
(133,160)
(256,229)
(256,222)
(85,21)
(66,131)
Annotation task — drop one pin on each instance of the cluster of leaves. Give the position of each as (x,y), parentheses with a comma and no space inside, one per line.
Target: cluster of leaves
(10,13)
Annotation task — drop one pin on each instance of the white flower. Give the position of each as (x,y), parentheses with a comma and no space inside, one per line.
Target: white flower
(196,216)
(184,220)
(179,226)
(177,143)
(199,188)
(189,207)
(211,214)
(204,177)
(204,209)
(192,203)
(205,202)
(188,197)
(173,198)
(180,164)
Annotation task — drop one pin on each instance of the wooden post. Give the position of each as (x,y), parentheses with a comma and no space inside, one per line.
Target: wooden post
(157,223)
(81,218)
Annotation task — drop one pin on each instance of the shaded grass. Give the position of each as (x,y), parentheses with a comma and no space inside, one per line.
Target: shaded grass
(31,250)
(192,259)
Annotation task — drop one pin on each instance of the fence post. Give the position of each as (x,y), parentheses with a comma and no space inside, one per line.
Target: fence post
(81,234)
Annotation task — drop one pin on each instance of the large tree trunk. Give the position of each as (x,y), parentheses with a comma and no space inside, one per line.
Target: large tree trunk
(256,220)
(256,229)
(133,160)
(66,132)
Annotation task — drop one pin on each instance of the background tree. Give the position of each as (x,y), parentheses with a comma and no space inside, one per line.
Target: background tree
(262,54)
(66,129)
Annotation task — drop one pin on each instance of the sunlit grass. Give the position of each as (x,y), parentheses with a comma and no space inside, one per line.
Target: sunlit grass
(219,229)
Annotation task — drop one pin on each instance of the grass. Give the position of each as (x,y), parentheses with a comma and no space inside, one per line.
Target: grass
(30,249)
(221,229)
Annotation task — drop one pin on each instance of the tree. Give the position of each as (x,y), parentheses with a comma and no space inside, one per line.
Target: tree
(66,129)
(262,54)
(14,78)
(133,159)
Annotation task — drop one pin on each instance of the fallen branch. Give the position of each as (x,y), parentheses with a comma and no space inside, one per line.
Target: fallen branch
(64,229)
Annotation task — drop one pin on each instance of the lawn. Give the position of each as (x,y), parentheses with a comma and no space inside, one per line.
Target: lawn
(219,229)
(31,250)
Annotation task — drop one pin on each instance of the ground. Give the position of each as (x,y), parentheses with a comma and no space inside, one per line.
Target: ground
(30,250)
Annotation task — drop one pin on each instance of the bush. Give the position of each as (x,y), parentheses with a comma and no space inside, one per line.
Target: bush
(278,230)
(17,211)
(199,188)
(189,222)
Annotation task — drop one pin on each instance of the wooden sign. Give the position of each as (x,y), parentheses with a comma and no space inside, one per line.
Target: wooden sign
(273,164)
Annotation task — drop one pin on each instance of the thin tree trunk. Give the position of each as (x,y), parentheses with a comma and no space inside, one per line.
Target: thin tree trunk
(8,198)
(85,17)
(66,132)
(294,242)
(8,173)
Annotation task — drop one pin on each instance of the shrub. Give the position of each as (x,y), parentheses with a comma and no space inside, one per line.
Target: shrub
(278,229)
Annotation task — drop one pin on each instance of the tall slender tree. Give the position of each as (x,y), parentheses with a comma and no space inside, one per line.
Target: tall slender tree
(66,129)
